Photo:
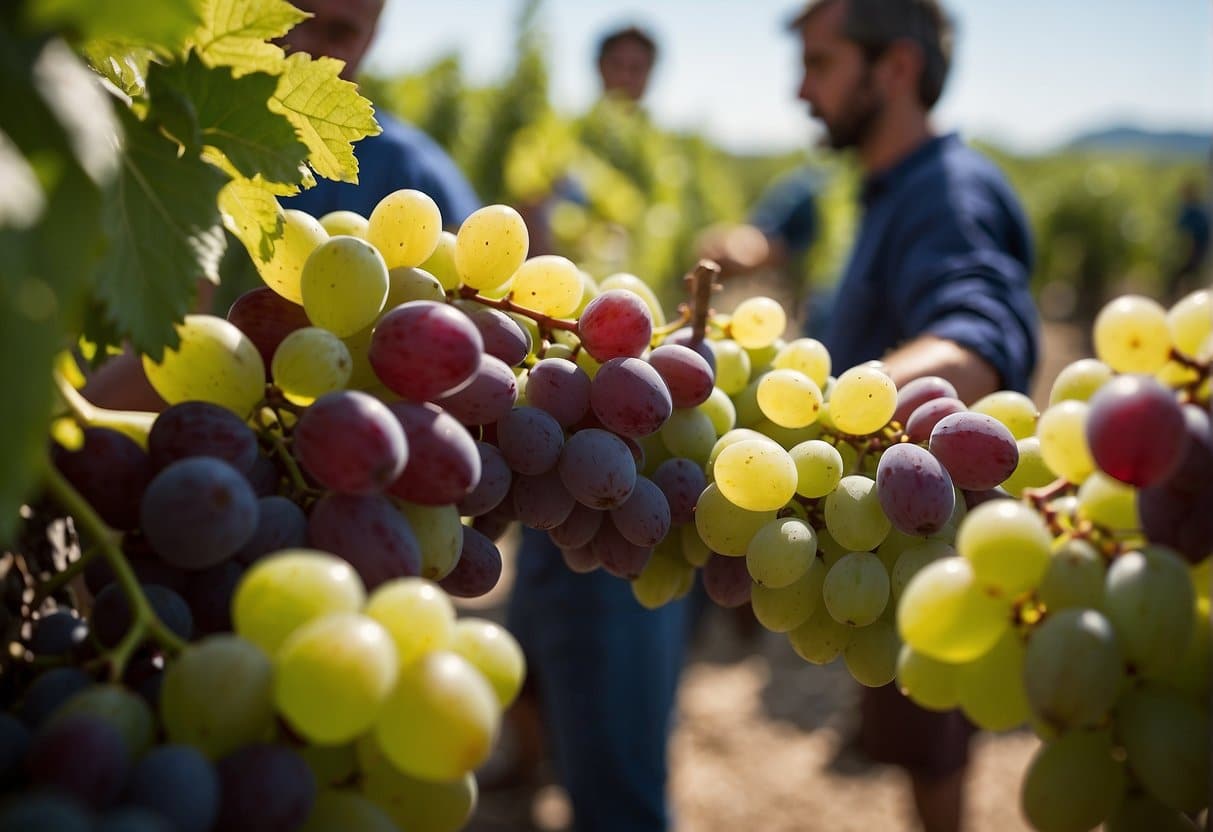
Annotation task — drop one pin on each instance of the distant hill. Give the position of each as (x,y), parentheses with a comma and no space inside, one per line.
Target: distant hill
(1121,139)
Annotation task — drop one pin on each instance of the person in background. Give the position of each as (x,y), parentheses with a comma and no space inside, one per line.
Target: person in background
(1192,228)
(937,281)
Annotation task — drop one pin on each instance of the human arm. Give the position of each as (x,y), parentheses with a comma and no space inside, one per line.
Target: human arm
(930,355)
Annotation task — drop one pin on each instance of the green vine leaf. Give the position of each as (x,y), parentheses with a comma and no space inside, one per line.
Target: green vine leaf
(234,33)
(252,214)
(163,23)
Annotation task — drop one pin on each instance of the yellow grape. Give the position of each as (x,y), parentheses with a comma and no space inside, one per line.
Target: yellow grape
(490,246)
(757,323)
(991,688)
(309,363)
(301,234)
(688,433)
(439,534)
(1190,322)
(732,366)
(338,811)
(405,227)
(1063,440)
(725,527)
(414,805)
(856,589)
(441,264)
(853,514)
(1031,470)
(362,375)
(405,284)
(789,398)
(871,655)
(1080,380)
(1008,545)
(862,401)
(1131,335)
(808,355)
(215,362)
(756,474)
(818,467)
(1108,502)
(927,682)
(783,609)
(694,550)
(548,284)
(347,223)
(781,552)
(416,613)
(345,285)
(946,615)
(720,409)
(820,639)
(494,652)
(1014,410)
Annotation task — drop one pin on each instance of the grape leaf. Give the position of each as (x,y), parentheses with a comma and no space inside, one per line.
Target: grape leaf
(234,33)
(233,118)
(123,66)
(252,214)
(162,23)
(165,234)
(327,111)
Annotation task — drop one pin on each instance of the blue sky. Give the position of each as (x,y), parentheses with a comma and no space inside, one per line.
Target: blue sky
(1028,74)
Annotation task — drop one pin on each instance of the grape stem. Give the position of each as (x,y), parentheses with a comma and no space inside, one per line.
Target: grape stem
(684,318)
(284,453)
(702,281)
(61,579)
(506,304)
(144,621)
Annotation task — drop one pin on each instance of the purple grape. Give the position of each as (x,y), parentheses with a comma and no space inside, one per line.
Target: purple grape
(644,517)
(495,522)
(1135,429)
(193,428)
(975,498)
(264,788)
(918,392)
(351,443)
(530,439)
(422,350)
(444,465)
(630,398)
(493,486)
(50,690)
(580,559)
(209,596)
(57,634)
(111,614)
(489,395)
(478,568)
(616,324)
(264,476)
(1192,473)
(280,525)
(81,756)
(597,468)
(178,783)
(977,450)
(727,581)
(924,419)
(914,489)
(147,566)
(686,374)
(369,533)
(110,471)
(682,481)
(266,317)
(578,529)
(618,555)
(685,337)
(1179,518)
(541,501)
(198,512)
(561,388)
(503,337)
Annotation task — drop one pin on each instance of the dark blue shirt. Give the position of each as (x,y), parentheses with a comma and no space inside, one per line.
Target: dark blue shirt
(943,249)
(399,157)
(787,211)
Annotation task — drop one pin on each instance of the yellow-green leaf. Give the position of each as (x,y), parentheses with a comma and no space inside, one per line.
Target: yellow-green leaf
(252,214)
(160,23)
(234,33)
(327,111)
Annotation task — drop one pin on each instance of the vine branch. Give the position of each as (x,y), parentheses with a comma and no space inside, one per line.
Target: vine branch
(505,304)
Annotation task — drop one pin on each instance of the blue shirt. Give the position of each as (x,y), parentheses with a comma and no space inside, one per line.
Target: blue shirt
(399,157)
(943,249)
(787,211)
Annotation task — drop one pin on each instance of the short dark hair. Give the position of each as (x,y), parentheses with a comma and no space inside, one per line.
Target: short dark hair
(876,24)
(617,36)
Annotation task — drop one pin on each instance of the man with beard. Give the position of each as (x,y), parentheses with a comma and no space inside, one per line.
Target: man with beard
(937,282)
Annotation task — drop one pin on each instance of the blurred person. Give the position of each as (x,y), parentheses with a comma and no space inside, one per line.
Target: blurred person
(937,281)
(626,58)
(1192,228)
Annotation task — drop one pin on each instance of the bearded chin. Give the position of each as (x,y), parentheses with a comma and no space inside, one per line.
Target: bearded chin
(854,125)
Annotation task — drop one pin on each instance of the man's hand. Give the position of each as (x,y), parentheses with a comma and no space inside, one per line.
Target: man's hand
(927,355)
(739,249)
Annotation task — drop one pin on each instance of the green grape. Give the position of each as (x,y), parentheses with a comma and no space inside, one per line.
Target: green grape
(1167,740)
(856,589)
(590,290)
(912,561)
(1063,440)
(756,474)
(560,351)
(745,403)
(757,322)
(991,688)
(694,550)
(787,438)
(853,514)
(1008,544)
(806,355)
(871,655)
(1073,578)
(405,284)
(781,551)
(1108,503)
(120,708)
(623,280)
(548,284)
(332,675)
(927,682)
(441,264)
(725,527)
(732,366)
(1149,599)
(344,223)
(1079,381)
(789,398)
(1190,322)
(850,456)
(943,613)
(761,357)
(785,608)
(1031,470)
(863,401)
(689,433)
(820,639)
(281,593)
(831,550)
(891,548)
(215,362)
(414,805)
(331,765)
(1014,410)
(1072,669)
(440,721)
(1190,675)
(362,375)
(309,363)
(218,696)
(654,450)
(490,246)
(416,613)
(494,652)
(1131,335)
(339,811)
(719,408)
(1140,811)
(301,234)
(405,227)
(439,534)
(344,284)
(660,581)
(1073,784)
